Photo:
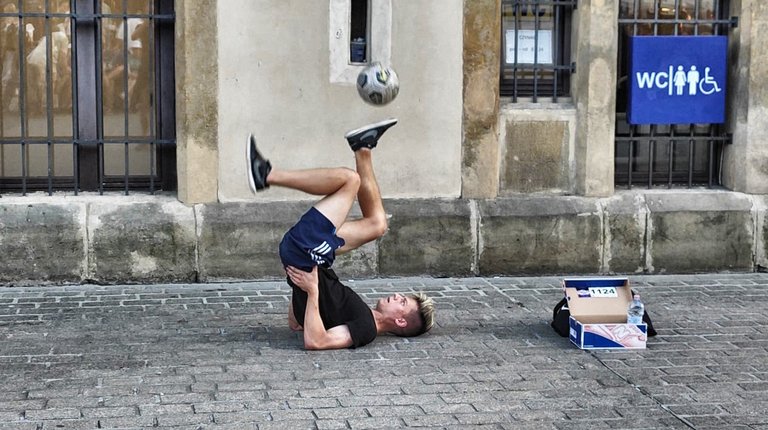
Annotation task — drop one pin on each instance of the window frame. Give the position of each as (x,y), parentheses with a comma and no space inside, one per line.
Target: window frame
(87,140)
(537,81)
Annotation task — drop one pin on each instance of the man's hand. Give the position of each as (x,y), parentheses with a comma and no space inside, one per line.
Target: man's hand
(306,281)
(315,334)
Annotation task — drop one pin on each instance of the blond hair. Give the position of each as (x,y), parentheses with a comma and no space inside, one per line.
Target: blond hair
(422,321)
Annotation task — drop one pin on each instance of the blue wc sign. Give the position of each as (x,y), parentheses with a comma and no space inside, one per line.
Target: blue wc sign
(677,79)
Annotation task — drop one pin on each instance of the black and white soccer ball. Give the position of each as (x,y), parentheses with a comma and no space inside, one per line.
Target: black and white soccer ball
(378,84)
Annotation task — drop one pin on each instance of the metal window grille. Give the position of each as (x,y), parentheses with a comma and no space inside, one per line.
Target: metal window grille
(536,49)
(87,96)
(667,155)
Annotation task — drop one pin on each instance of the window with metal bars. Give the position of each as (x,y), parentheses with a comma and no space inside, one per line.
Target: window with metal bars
(667,155)
(536,49)
(359,37)
(87,96)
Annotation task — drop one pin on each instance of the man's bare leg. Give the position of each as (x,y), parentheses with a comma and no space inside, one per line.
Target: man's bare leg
(373,224)
(338,185)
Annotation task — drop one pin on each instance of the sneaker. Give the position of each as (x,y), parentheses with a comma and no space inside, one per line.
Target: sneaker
(258,166)
(368,136)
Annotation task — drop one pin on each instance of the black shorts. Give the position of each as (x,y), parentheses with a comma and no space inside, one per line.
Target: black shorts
(310,242)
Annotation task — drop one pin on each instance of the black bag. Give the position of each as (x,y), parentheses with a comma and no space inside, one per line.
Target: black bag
(561,315)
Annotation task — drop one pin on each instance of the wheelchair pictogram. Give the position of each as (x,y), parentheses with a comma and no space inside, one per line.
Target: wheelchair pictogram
(708,85)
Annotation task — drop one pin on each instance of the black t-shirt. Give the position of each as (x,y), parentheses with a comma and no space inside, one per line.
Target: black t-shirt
(339,305)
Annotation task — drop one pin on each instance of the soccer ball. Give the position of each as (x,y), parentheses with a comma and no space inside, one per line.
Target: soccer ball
(377,84)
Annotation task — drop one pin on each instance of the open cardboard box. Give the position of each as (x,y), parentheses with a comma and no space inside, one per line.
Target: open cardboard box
(598,308)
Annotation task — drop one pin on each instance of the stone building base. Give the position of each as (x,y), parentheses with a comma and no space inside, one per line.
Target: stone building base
(158,239)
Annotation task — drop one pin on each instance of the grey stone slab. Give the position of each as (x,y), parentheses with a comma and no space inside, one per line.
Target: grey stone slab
(53,414)
(162,240)
(540,235)
(239,240)
(437,235)
(700,233)
(533,159)
(142,241)
(42,242)
(625,217)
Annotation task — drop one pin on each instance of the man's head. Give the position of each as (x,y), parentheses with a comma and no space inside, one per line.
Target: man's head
(411,315)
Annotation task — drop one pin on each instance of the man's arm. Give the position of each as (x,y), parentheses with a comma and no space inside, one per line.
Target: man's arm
(315,334)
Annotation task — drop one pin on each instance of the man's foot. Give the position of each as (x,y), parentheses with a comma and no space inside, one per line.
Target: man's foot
(258,166)
(368,136)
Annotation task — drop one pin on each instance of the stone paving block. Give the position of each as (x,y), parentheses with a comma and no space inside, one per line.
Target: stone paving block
(71,424)
(331,424)
(183,420)
(435,420)
(340,413)
(143,421)
(73,402)
(243,396)
(185,398)
(21,405)
(241,417)
(292,415)
(288,425)
(212,407)
(376,423)
(154,409)
(20,426)
(478,419)
(314,403)
(53,414)
(10,416)
(108,412)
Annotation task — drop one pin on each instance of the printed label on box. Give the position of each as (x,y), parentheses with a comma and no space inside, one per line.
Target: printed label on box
(603,292)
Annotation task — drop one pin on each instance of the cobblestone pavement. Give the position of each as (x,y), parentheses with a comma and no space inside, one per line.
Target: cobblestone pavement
(221,356)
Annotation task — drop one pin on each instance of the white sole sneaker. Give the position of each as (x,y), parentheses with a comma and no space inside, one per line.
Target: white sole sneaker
(388,122)
(368,136)
(249,159)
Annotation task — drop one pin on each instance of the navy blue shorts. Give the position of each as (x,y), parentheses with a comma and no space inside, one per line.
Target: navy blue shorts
(310,242)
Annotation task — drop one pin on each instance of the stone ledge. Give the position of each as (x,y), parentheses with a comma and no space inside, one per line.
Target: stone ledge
(158,239)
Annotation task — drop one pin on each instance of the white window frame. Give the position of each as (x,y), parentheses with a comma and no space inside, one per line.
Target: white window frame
(342,70)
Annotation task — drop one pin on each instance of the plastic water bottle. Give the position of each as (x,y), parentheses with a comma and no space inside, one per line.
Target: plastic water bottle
(635,311)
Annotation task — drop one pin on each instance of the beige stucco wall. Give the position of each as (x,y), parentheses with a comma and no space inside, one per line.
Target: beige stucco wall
(745,164)
(196,95)
(274,80)
(594,96)
(275,77)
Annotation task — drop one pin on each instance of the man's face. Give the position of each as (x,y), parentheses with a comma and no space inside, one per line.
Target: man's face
(397,305)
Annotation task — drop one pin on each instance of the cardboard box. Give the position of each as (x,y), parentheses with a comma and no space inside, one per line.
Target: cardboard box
(598,308)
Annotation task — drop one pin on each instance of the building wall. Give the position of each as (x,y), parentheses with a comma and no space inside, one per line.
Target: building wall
(746,160)
(276,80)
(473,184)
